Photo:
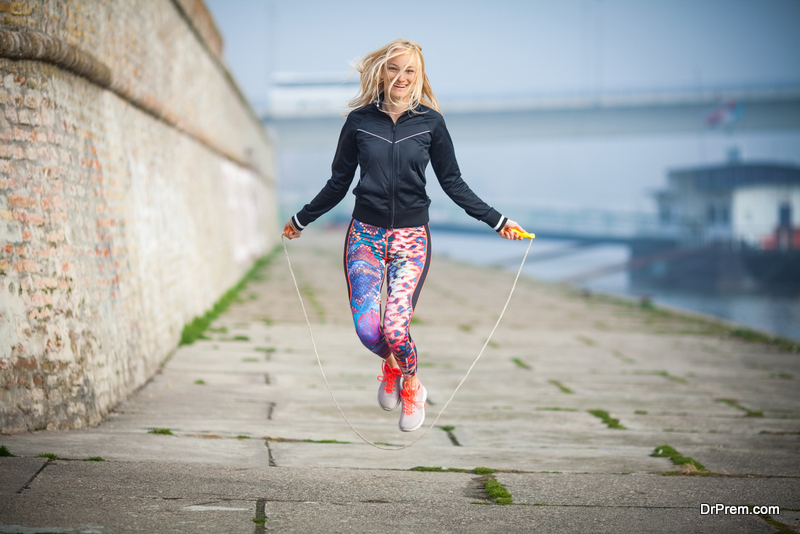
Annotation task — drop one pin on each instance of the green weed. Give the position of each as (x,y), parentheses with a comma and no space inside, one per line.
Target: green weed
(95,459)
(5,453)
(665,451)
(607,419)
(195,329)
(484,470)
(164,431)
(521,363)
(220,330)
(562,387)
(748,412)
(200,382)
(781,527)
(497,492)
(49,455)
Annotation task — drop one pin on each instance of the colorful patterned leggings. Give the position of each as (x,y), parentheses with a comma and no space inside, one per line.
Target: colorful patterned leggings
(368,251)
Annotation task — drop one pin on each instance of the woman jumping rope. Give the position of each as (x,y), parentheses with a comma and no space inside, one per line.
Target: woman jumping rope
(395,129)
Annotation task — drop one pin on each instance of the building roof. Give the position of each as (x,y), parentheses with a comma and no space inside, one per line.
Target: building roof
(735,175)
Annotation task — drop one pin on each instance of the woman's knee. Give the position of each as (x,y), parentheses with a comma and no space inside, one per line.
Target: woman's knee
(369,335)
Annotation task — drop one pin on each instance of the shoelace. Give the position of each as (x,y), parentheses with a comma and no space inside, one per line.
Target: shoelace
(390,381)
(446,404)
(409,400)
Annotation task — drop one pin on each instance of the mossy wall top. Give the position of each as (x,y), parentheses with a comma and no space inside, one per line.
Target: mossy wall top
(136,186)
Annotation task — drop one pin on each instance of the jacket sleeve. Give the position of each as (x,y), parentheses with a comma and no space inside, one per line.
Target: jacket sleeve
(345,162)
(443,161)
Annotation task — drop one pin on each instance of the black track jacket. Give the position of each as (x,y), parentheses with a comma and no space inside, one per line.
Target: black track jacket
(393,157)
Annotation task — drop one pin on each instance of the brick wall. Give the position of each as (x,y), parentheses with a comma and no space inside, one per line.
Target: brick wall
(130,200)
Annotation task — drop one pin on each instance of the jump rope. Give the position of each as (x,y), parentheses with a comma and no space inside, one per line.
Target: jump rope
(325,378)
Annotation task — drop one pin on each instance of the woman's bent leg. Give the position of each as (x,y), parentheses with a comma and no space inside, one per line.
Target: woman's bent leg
(365,265)
(408,259)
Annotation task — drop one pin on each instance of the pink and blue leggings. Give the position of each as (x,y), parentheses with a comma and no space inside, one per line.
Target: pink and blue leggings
(401,256)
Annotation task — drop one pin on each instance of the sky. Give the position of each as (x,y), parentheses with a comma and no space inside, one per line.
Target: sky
(480,48)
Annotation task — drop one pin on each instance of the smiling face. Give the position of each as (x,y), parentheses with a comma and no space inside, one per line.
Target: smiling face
(398,77)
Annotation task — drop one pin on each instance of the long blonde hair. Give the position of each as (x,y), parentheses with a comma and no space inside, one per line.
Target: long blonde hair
(372,66)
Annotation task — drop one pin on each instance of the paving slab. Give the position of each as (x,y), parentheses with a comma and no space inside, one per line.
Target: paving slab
(17,472)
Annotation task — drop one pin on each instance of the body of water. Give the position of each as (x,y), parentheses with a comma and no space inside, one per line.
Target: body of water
(556,261)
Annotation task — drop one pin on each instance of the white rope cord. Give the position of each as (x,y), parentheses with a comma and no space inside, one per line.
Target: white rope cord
(319,362)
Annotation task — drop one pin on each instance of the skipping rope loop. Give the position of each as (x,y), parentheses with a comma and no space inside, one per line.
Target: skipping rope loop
(325,378)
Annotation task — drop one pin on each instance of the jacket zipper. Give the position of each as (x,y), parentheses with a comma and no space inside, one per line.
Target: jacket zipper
(394,174)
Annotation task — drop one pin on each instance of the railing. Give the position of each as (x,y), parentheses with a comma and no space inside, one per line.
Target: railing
(567,223)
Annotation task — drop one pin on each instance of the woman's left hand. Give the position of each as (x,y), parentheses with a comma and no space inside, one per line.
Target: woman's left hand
(508,231)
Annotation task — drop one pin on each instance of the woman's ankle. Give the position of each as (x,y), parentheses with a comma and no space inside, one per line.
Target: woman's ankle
(411,383)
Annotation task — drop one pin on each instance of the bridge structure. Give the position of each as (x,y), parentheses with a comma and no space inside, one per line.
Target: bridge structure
(309,114)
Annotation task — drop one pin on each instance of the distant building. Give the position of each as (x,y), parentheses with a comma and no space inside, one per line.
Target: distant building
(723,228)
(736,201)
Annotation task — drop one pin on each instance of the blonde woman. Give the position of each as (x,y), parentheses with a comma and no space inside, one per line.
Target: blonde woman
(395,130)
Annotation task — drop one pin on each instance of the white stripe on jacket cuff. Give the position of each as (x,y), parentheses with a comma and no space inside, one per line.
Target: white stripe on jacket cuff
(500,223)
(297,223)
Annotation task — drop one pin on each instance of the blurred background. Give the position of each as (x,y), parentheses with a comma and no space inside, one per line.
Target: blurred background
(652,146)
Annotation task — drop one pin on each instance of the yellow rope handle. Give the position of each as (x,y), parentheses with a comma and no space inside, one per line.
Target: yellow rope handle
(524,234)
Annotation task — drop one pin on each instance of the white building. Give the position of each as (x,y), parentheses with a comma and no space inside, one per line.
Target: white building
(736,201)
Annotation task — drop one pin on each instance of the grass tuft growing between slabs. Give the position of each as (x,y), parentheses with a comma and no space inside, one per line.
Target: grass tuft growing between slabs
(521,364)
(49,455)
(294,440)
(562,387)
(95,459)
(781,528)
(607,419)
(748,412)
(163,431)
(197,327)
(664,374)
(5,453)
(451,436)
(494,490)
(424,469)
(688,466)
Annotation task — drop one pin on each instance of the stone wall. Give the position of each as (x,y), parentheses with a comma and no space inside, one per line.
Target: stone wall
(135,188)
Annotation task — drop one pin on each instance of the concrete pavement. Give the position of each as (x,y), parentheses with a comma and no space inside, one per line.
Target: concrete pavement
(255,434)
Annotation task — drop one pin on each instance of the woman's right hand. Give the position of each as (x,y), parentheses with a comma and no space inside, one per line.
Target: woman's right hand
(290,231)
